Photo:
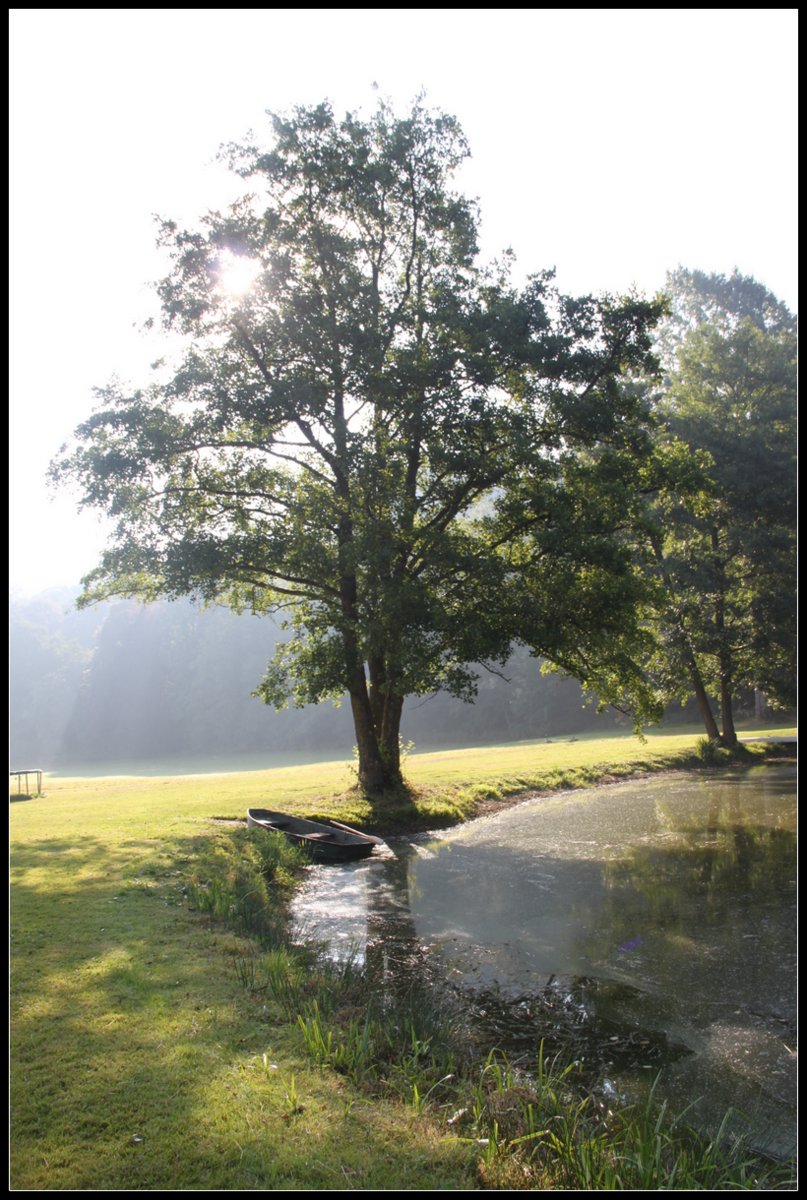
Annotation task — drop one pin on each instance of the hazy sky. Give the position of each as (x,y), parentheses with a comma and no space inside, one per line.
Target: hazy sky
(610,144)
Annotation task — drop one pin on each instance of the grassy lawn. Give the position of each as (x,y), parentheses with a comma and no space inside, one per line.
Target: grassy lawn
(138,1059)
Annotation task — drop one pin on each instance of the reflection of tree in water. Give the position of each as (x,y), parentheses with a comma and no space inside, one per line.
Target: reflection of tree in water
(710,914)
(715,868)
(688,936)
(393,947)
(399,969)
(574,1018)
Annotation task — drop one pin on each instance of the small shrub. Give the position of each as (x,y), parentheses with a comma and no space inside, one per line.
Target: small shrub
(708,751)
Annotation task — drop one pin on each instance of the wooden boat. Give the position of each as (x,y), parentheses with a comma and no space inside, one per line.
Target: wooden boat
(333,842)
(349,829)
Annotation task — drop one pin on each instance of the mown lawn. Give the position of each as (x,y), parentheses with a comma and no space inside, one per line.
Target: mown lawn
(138,1060)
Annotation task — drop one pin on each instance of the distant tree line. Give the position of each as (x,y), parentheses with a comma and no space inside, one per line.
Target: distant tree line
(129,682)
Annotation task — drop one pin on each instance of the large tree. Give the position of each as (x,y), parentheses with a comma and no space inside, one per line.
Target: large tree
(337,436)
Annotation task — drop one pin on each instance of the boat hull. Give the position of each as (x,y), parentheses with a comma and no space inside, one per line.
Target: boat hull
(326,843)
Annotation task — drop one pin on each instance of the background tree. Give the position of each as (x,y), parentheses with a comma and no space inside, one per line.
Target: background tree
(696,299)
(578,595)
(335,435)
(724,544)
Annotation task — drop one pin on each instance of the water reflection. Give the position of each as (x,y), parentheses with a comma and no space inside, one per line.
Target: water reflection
(641,925)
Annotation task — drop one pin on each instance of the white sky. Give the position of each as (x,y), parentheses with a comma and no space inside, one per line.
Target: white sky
(611,144)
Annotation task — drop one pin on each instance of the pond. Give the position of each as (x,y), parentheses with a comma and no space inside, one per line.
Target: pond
(647,928)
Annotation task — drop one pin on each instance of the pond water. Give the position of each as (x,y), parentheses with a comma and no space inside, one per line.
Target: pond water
(648,928)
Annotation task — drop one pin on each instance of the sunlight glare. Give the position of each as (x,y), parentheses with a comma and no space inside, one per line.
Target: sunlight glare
(236,274)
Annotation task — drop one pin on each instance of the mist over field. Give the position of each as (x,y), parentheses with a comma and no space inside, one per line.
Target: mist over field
(146,685)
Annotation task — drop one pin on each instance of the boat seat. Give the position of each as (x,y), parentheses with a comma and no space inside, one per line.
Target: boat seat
(320,837)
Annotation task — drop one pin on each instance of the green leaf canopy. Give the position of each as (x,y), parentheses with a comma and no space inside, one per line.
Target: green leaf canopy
(341,437)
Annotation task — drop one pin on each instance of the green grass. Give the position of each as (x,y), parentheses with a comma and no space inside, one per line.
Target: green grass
(444,788)
(138,1057)
(143,1055)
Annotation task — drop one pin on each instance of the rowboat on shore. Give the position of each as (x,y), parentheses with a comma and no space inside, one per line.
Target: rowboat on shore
(333,842)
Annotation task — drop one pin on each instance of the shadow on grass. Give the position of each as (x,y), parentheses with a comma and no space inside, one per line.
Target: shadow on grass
(132,1043)
(399,810)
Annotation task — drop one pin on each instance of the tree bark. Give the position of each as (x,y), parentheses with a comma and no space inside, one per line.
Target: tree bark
(378,744)
(373,775)
(385,710)
(704,707)
(728,734)
(377,721)
(390,736)
(378,769)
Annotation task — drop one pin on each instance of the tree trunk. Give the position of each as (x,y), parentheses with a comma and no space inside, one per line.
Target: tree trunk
(374,718)
(728,735)
(390,733)
(386,707)
(704,706)
(696,679)
(682,638)
(377,727)
(373,774)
